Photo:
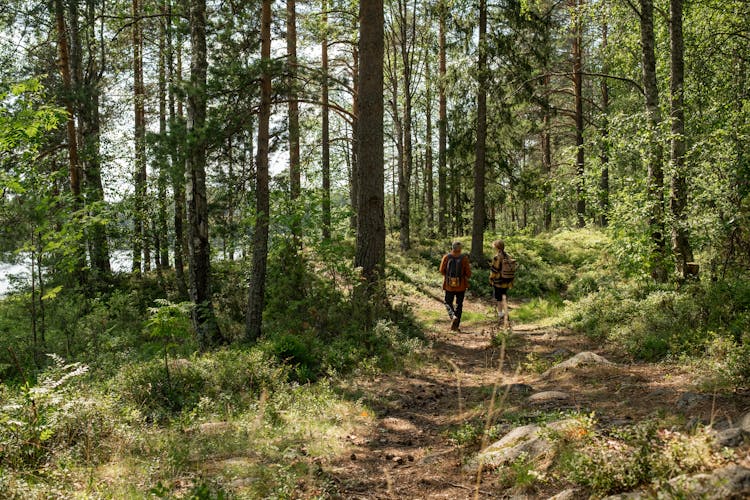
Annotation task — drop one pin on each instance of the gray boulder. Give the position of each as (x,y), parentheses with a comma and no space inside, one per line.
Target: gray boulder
(586,358)
(528,440)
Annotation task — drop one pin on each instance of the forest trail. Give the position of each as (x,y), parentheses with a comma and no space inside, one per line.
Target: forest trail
(413,449)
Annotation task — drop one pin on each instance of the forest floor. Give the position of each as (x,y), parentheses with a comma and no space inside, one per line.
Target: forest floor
(414,447)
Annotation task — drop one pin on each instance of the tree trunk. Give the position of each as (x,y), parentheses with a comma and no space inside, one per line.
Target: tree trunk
(578,91)
(325,140)
(679,189)
(442,130)
(428,167)
(256,298)
(655,151)
(90,123)
(604,180)
(370,251)
(477,229)
(406,24)
(295,181)
(354,188)
(141,254)
(547,154)
(161,234)
(178,161)
(204,320)
(74,169)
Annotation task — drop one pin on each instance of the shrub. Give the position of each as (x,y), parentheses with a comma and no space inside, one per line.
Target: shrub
(161,390)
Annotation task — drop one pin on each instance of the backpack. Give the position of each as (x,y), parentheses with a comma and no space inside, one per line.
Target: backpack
(454,271)
(509,266)
(502,269)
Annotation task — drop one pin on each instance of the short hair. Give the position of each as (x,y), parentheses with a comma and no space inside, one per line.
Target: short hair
(456,245)
(499,244)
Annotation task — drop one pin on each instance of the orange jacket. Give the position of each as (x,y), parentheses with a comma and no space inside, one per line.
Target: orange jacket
(466,273)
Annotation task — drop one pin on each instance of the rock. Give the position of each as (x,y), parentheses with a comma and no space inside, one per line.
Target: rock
(744,422)
(568,494)
(689,400)
(548,396)
(585,358)
(516,388)
(730,482)
(528,440)
(730,438)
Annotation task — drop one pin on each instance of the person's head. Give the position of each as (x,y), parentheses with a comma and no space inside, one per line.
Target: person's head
(456,247)
(499,245)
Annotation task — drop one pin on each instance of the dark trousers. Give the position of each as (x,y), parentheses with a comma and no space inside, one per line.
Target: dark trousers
(459,299)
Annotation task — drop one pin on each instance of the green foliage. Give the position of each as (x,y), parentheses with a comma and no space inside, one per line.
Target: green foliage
(53,416)
(626,458)
(162,390)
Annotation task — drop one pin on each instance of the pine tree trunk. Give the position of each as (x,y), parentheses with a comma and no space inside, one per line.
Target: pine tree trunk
(578,91)
(178,161)
(442,130)
(370,251)
(547,155)
(141,254)
(204,320)
(655,151)
(325,140)
(477,230)
(74,169)
(604,157)
(354,182)
(295,181)
(90,124)
(679,188)
(256,298)
(407,165)
(162,235)
(428,167)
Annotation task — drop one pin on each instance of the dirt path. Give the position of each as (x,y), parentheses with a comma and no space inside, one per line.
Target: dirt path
(414,450)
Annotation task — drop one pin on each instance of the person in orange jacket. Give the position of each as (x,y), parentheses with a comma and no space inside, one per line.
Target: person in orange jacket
(456,270)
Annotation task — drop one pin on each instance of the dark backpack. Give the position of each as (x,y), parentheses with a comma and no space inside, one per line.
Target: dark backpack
(454,271)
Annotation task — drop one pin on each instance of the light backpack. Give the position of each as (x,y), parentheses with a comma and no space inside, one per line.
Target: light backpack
(503,269)
(454,271)
(509,266)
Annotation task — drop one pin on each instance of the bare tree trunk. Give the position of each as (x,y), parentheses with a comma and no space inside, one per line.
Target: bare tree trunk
(578,90)
(679,189)
(295,181)
(428,167)
(604,180)
(655,152)
(161,234)
(442,130)
(354,188)
(141,254)
(325,141)
(370,251)
(547,155)
(406,28)
(90,124)
(477,229)
(73,160)
(256,299)
(174,78)
(204,320)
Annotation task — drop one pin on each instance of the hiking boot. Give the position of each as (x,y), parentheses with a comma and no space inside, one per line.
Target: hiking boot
(454,324)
